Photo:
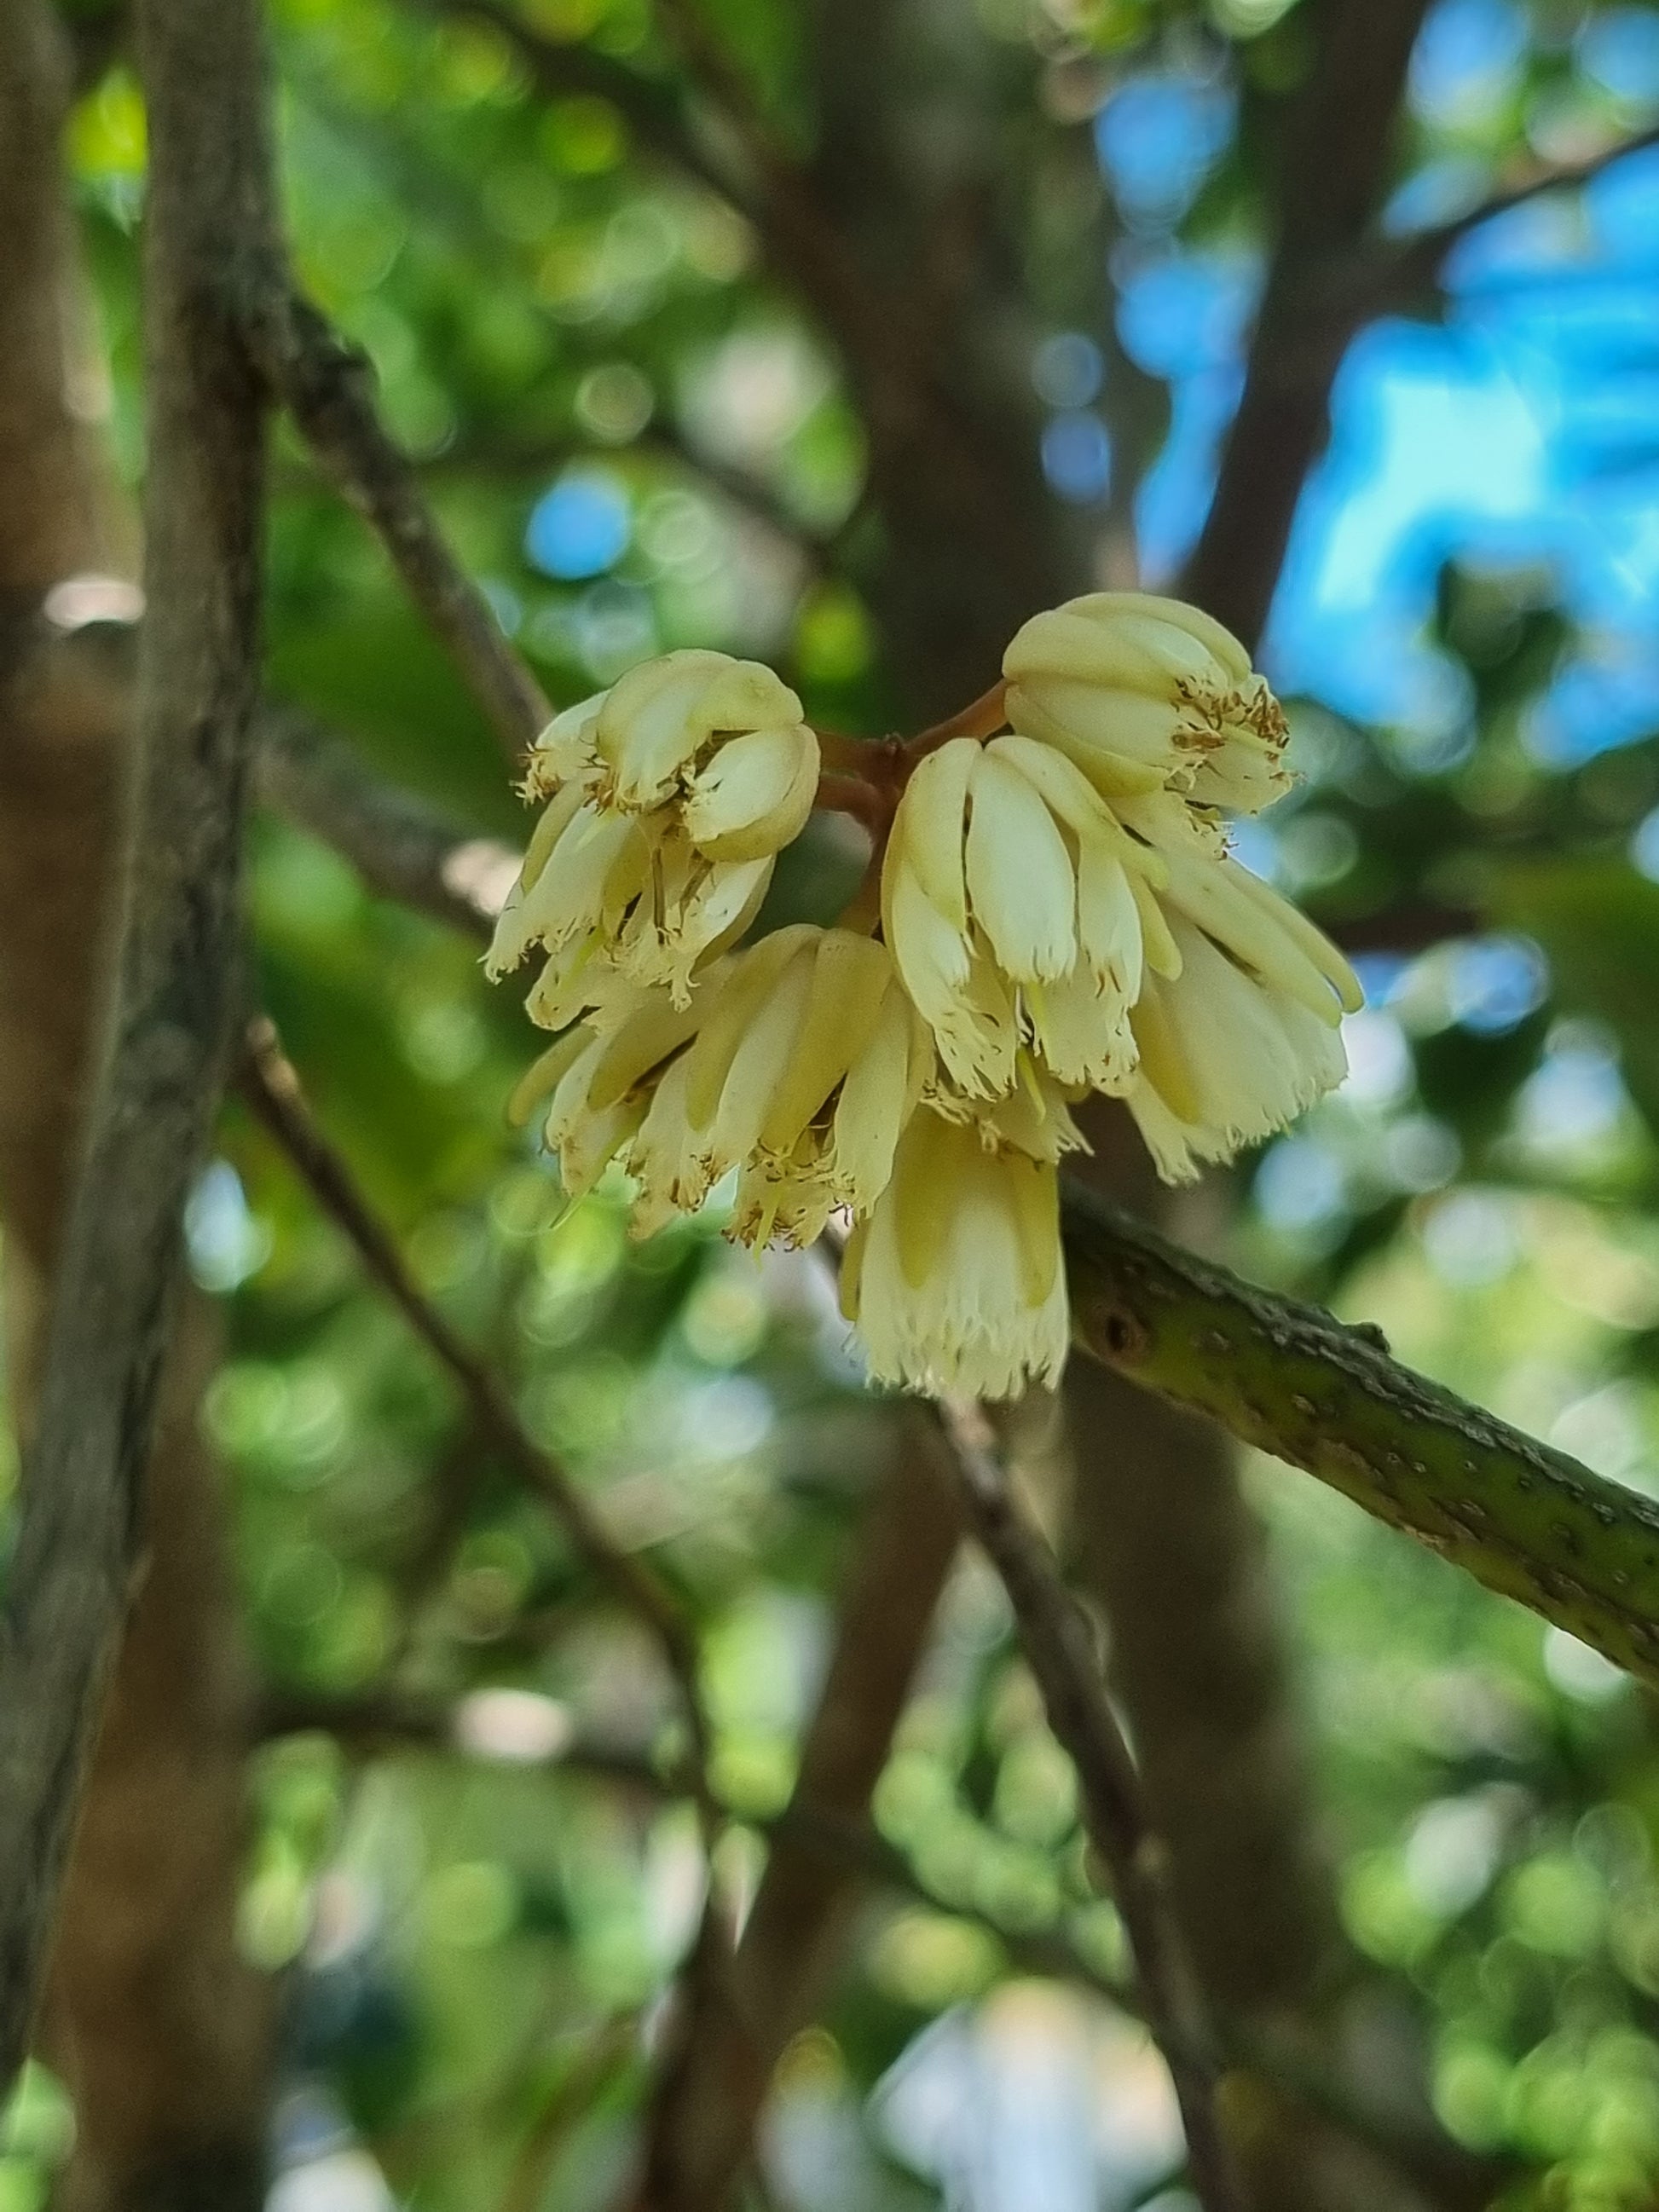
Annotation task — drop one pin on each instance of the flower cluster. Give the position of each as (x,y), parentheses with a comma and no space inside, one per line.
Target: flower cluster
(1059,914)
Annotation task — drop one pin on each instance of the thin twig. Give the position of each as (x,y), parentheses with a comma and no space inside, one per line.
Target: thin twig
(267,1082)
(327,386)
(401,847)
(867,803)
(1059,1651)
(1402,270)
(209,212)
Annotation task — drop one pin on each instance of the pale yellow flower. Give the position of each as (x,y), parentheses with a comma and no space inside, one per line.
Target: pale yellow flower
(594,1086)
(1238,1025)
(808,1061)
(955,1283)
(1012,901)
(668,798)
(1143,692)
(1034,1117)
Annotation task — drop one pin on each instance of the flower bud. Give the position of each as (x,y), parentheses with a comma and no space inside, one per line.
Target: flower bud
(597,1082)
(1142,693)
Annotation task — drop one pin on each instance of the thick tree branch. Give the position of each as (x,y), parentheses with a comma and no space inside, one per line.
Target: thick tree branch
(327,386)
(1523,1519)
(1336,141)
(1329,276)
(1059,1651)
(267,1083)
(208,222)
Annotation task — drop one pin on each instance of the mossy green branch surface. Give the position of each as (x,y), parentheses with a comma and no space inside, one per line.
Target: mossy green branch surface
(1526,1521)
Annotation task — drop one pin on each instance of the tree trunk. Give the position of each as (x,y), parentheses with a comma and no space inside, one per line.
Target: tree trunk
(160,2033)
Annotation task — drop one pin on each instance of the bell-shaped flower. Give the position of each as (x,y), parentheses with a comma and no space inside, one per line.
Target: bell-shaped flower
(669,797)
(1238,1024)
(808,1060)
(1012,901)
(1143,692)
(955,1283)
(594,1086)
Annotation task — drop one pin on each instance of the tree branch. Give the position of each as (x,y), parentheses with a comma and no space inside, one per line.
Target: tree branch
(1522,1518)
(1059,1651)
(209,219)
(268,1085)
(1401,272)
(403,849)
(1327,278)
(327,386)
(1337,137)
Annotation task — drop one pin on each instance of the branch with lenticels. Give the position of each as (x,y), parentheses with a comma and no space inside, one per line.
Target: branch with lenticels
(1523,1519)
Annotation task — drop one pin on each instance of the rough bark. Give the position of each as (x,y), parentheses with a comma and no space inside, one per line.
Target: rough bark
(159,2030)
